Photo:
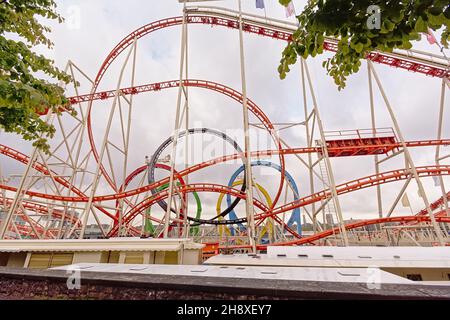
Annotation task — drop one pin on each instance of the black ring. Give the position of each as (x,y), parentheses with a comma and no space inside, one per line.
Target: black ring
(165,144)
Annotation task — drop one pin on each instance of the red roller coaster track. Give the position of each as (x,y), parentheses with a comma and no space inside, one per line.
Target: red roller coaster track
(273,33)
(20,157)
(248,27)
(237,96)
(370,181)
(373,180)
(327,233)
(41,209)
(342,189)
(215,19)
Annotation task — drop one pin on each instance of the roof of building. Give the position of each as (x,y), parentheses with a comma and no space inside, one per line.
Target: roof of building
(85,245)
(315,256)
(357,275)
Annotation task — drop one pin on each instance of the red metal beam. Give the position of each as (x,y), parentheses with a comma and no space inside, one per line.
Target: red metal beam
(378,57)
(236,95)
(330,232)
(370,181)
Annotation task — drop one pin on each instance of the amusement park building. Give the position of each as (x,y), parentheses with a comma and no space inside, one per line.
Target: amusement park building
(413,263)
(42,254)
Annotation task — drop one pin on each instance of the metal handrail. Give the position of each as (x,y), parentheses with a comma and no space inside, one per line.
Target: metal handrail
(411,55)
(362,133)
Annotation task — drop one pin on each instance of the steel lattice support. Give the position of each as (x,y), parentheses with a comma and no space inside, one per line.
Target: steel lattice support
(54,189)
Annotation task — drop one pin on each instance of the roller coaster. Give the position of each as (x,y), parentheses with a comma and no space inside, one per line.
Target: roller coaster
(88,178)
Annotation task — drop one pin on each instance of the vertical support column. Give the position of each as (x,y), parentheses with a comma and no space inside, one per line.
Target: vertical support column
(408,157)
(95,183)
(445,82)
(21,189)
(77,143)
(309,143)
(127,139)
(251,230)
(186,141)
(3,192)
(181,89)
(332,181)
(377,165)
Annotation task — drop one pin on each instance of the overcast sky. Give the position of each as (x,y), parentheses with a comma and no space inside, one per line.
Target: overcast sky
(93,28)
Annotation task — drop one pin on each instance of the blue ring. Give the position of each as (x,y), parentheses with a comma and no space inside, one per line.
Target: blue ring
(295,217)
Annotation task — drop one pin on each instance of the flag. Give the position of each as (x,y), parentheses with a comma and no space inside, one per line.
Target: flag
(260,4)
(290,10)
(430,37)
(405,201)
(437,181)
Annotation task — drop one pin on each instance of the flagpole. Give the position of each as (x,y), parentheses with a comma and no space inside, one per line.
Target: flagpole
(442,51)
(436,42)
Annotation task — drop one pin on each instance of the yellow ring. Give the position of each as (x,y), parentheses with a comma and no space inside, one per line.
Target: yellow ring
(266,195)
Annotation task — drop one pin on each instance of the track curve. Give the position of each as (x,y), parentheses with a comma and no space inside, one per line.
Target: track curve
(370,181)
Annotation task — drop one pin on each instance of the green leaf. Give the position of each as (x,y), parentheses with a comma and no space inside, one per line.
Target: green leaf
(22,92)
(421,25)
(359,47)
(402,23)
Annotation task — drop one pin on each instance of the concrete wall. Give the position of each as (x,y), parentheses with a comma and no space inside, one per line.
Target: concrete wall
(52,284)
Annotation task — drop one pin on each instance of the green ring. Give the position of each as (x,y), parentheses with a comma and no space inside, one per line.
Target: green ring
(194,231)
